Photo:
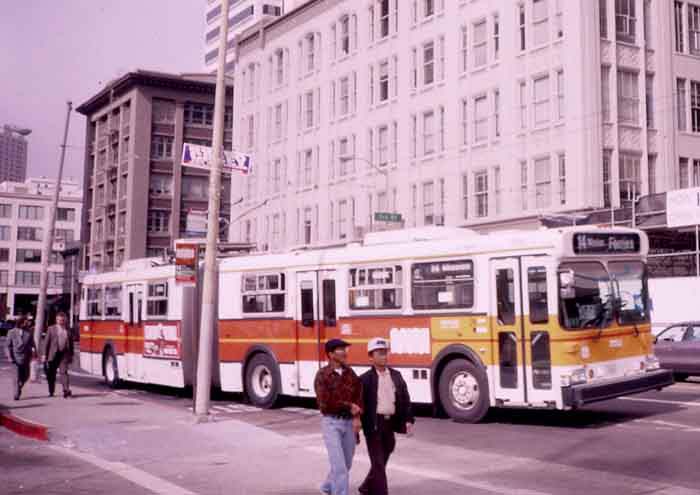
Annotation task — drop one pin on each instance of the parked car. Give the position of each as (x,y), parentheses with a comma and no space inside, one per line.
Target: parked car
(6,326)
(678,349)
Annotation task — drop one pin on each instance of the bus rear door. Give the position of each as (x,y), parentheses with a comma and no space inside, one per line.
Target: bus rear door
(134,329)
(307,331)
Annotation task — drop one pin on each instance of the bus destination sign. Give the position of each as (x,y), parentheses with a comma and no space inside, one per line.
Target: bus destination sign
(597,243)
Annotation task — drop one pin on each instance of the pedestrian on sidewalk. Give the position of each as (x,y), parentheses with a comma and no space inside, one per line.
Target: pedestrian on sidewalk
(57,354)
(20,349)
(339,396)
(387,411)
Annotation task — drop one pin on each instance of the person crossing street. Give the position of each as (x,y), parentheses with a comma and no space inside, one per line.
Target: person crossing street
(20,348)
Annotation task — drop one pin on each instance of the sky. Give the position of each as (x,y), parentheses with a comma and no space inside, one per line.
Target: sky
(78,46)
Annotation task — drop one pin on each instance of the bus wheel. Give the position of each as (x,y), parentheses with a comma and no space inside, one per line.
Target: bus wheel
(110,369)
(680,377)
(463,390)
(262,385)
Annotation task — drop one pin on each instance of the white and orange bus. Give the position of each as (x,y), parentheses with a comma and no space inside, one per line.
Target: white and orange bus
(542,319)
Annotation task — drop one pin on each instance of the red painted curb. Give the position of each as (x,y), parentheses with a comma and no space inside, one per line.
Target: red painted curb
(24,427)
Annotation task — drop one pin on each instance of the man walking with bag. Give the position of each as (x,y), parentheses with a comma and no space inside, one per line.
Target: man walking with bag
(387,410)
(57,354)
(339,396)
(20,348)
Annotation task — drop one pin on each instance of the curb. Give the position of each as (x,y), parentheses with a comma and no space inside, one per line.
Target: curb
(24,427)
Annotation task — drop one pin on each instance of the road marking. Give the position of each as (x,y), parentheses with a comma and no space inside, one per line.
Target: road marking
(130,473)
(662,401)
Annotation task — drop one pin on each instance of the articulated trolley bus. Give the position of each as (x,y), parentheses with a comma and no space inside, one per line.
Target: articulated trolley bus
(543,319)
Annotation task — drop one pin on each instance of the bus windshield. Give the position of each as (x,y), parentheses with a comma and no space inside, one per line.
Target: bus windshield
(592,296)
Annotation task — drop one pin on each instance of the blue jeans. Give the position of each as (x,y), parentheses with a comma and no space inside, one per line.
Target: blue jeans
(340,444)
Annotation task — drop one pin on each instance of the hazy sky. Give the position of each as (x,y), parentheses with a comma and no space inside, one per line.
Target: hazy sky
(55,50)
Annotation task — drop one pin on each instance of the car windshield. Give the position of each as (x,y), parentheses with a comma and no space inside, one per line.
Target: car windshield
(585,295)
(630,282)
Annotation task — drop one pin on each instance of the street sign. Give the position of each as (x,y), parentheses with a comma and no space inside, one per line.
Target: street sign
(388,217)
(196,223)
(199,156)
(186,257)
(683,207)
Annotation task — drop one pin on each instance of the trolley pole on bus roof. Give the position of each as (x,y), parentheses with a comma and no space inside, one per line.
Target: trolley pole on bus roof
(206,332)
(48,244)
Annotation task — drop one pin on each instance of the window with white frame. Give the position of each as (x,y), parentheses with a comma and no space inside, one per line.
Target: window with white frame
(628,97)
(559,13)
(497,190)
(626,20)
(250,141)
(344,96)
(384,80)
(465,195)
(607,178)
(276,175)
(309,109)
(464,117)
(414,204)
(383,145)
(343,219)
(695,172)
(279,67)
(414,135)
(649,98)
(346,158)
(428,203)
(651,173)
(683,182)
(630,176)
(161,147)
(543,182)
(496,36)
(441,130)
(94,301)
(523,185)
(695,105)
(605,92)
(678,18)
(376,288)
(522,104)
(113,301)
(603,18)
(647,23)
(310,52)
(694,29)
(463,49)
(560,95)
(428,132)
(540,21)
(540,102)
(440,218)
(263,293)
(496,113)
(481,193)
(479,44)
(308,168)
(279,115)
(31,212)
(522,27)
(160,184)
(428,63)
(414,69)
(384,20)
(395,142)
(681,104)
(481,119)
(344,33)
(561,158)
(158,221)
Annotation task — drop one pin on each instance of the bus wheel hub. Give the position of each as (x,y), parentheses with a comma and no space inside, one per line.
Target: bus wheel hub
(464,390)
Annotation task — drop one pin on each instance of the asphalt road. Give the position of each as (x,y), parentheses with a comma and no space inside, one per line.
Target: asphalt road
(645,444)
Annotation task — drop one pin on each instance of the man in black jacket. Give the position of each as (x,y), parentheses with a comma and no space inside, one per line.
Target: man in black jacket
(387,410)
(20,348)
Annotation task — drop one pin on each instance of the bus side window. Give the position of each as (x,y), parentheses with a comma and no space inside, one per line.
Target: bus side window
(307,307)
(505,296)
(537,294)
(329,314)
(541,361)
(131,308)
(508,359)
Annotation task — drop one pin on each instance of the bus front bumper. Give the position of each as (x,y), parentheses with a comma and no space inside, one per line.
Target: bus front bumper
(579,395)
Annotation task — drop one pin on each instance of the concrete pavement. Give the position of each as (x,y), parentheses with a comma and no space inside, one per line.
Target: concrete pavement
(103,440)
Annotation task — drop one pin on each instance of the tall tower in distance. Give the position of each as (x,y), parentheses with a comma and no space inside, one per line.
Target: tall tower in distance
(13,153)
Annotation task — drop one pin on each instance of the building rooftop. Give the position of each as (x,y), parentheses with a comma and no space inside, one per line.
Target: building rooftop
(42,186)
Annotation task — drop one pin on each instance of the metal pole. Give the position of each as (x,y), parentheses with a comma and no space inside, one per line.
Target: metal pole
(72,287)
(48,244)
(697,250)
(204,359)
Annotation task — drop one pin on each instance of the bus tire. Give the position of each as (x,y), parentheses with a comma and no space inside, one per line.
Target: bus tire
(463,391)
(680,377)
(110,369)
(262,382)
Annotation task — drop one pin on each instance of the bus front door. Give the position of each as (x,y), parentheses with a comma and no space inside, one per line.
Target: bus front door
(509,377)
(133,333)
(307,331)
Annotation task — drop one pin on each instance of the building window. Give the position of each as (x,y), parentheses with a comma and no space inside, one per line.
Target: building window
(428,7)
(5,232)
(383,145)
(522,107)
(496,113)
(480,44)
(428,132)
(310,43)
(649,95)
(481,119)
(605,92)
(464,116)
(441,60)
(345,35)
(560,95)
(161,147)
(562,179)
(625,20)
(414,204)
(694,29)
(497,190)
(27,279)
(683,173)
(159,221)
(4,255)
(67,235)
(160,185)
(5,211)
(603,13)
(428,204)
(678,16)
(496,37)
(630,184)
(647,23)
(695,105)
(681,105)
(29,256)
(309,109)
(465,196)
(463,49)
(65,214)
(543,182)
(521,27)
(29,233)
(278,121)
(651,168)
(540,21)
(31,212)
(696,173)
(195,187)
(163,111)
(308,168)
(384,18)
(428,63)
(559,18)
(540,102)
(384,80)
(344,98)
(523,185)
(628,97)
(279,67)
(414,135)
(199,114)
(481,193)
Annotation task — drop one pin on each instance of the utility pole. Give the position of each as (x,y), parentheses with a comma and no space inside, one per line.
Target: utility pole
(48,244)
(210,284)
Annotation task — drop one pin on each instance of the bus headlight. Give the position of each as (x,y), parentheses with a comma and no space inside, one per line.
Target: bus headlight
(652,363)
(576,377)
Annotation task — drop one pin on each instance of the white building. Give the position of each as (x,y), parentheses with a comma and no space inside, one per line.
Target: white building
(24,211)
(463,112)
(242,15)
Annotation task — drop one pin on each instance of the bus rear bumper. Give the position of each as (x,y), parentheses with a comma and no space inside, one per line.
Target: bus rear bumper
(579,395)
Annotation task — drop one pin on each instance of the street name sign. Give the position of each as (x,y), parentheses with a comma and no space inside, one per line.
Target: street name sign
(388,217)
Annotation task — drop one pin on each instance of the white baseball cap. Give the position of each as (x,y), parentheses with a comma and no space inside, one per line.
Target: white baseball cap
(377,343)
